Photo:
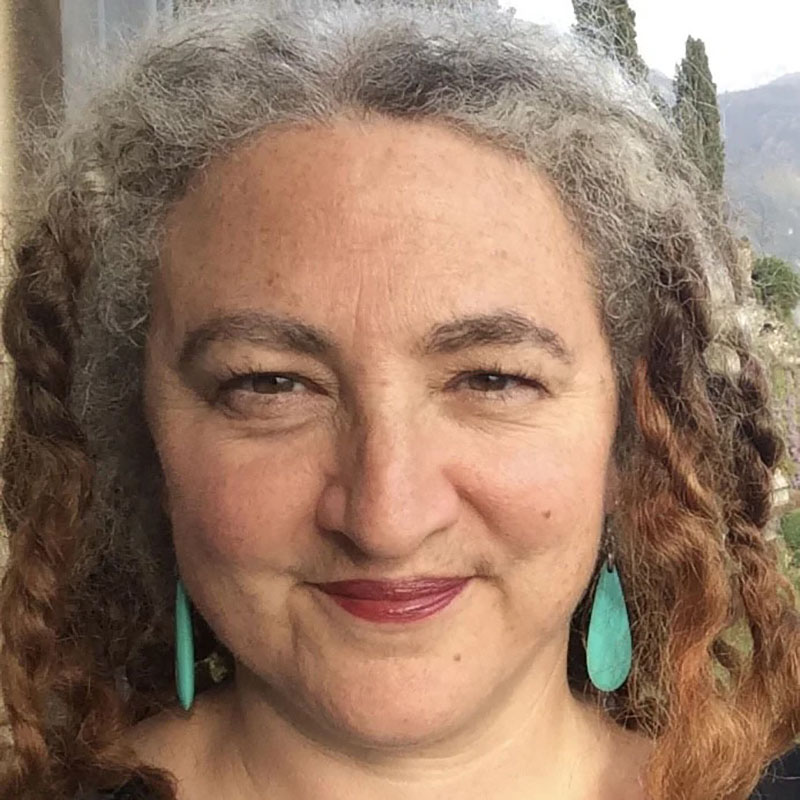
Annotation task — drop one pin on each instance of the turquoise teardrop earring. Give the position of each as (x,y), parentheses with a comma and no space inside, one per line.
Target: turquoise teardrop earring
(184,648)
(608,643)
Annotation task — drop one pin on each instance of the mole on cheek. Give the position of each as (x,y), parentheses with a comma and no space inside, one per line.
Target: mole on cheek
(457,657)
(546,514)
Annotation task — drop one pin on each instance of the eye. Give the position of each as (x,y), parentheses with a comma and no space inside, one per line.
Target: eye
(259,392)
(262,383)
(494,381)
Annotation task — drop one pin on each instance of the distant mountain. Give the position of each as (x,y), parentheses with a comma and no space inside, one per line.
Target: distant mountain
(761,127)
(762,152)
(787,80)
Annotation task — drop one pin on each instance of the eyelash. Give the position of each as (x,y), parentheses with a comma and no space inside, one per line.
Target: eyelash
(233,380)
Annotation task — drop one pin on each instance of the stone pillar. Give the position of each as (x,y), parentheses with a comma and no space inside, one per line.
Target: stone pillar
(30,84)
(33,53)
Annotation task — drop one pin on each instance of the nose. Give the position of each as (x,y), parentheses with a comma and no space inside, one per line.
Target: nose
(391,492)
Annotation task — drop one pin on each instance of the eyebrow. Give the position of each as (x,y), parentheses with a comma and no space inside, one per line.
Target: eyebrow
(504,327)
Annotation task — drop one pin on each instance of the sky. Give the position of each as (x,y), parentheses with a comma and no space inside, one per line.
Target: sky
(749,42)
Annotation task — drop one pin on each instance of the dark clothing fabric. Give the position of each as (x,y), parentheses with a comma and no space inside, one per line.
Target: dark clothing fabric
(781,781)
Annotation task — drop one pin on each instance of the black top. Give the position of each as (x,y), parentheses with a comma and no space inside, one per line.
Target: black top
(781,781)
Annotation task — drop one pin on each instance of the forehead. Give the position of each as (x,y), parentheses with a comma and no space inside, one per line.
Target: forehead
(387,213)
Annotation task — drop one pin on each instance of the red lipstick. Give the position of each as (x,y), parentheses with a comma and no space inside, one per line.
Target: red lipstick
(394,601)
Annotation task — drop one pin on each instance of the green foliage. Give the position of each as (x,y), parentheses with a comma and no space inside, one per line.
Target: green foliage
(790,530)
(697,113)
(611,23)
(776,284)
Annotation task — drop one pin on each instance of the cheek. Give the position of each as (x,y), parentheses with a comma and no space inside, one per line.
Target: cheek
(239,507)
(547,520)
(542,495)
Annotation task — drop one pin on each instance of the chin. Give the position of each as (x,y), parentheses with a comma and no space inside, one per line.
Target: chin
(384,715)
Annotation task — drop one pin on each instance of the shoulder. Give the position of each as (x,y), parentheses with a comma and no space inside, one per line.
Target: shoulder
(781,779)
(156,741)
(174,741)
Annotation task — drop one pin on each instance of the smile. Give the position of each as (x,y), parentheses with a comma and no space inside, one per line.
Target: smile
(402,609)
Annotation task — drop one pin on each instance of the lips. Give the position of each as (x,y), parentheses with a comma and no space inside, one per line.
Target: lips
(394,601)
(392,590)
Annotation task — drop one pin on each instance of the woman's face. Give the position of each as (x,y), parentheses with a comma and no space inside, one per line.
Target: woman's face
(334,323)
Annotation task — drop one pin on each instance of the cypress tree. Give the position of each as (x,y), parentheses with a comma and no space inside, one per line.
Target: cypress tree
(697,112)
(612,24)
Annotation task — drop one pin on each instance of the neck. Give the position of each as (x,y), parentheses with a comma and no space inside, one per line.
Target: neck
(534,739)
